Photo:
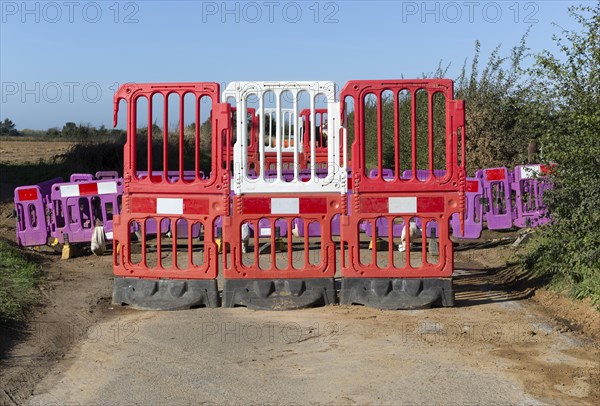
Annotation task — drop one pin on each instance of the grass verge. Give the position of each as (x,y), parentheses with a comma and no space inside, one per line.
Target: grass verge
(19,277)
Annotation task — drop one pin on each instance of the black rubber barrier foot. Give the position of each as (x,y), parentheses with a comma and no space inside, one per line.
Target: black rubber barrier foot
(397,293)
(278,294)
(165,294)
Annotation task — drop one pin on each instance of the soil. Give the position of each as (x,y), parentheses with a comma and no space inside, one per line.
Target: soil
(507,339)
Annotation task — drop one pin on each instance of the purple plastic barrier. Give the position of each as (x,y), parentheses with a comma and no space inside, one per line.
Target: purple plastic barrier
(31,205)
(152,229)
(81,177)
(497,194)
(423,174)
(386,173)
(529,185)
(103,175)
(473,220)
(77,206)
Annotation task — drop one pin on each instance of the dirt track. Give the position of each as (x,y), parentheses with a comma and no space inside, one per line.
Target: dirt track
(504,343)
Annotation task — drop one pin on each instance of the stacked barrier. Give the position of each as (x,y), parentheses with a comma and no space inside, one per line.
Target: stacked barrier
(67,211)
(32,206)
(160,271)
(82,204)
(402,283)
(473,218)
(529,184)
(496,197)
(268,274)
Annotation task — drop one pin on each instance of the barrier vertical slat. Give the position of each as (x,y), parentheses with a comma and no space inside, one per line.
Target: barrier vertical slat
(313,130)
(165,135)
(397,163)
(278,136)
(197,148)
(261,140)
(181,134)
(430,132)
(149,141)
(297,141)
(380,135)
(413,129)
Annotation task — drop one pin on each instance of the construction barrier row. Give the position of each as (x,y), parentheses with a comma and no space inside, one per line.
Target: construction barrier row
(67,212)
(261,186)
(275,210)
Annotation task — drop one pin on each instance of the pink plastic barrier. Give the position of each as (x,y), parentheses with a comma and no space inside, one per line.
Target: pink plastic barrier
(81,177)
(474,212)
(32,204)
(78,206)
(497,198)
(529,185)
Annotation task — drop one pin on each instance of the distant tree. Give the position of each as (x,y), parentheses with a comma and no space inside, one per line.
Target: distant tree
(53,132)
(70,130)
(7,127)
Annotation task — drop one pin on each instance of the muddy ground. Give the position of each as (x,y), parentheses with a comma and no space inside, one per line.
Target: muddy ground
(507,341)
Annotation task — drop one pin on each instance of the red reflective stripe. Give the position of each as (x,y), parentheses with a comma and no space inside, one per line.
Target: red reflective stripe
(86,189)
(472,186)
(546,169)
(28,194)
(430,204)
(195,206)
(313,205)
(256,205)
(374,205)
(143,205)
(495,174)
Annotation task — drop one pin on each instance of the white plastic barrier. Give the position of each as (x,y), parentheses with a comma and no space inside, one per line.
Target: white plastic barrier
(240,94)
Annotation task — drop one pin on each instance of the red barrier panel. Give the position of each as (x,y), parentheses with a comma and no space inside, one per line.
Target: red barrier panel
(321,137)
(162,271)
(403,125)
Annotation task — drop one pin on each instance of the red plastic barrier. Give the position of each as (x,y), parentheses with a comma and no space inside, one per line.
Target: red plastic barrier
(192,201)
(435,198)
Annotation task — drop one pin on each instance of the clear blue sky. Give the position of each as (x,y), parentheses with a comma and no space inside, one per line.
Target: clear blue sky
(61,61)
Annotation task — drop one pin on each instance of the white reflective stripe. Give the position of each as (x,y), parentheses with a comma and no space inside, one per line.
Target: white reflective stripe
(169,206)
(105,188)
(529,172)
(402,205)
(285,205)
(69,190)
(265,232)
(109,235)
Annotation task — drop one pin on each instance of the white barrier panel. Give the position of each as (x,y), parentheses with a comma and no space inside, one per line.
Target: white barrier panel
(288,137)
